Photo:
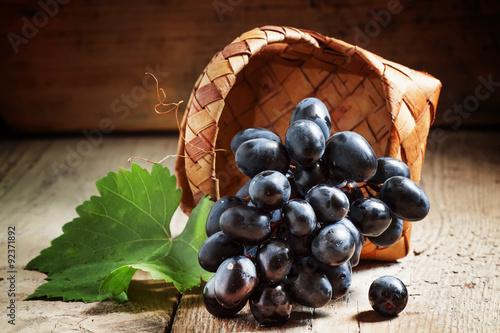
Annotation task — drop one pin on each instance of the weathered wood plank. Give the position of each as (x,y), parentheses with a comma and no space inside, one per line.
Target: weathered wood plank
(37,200)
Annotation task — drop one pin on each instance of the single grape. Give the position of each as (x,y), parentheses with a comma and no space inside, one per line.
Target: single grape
(329,203)
(315,110)
(271,305)
(274,260)
(269,190)
(405,198)
(339,277)
(391,235)
(305,142)
(234,281)
(388,296)
(246,225)
(309,286)
(307,177)
(299,217)
(252,133)
(257,155)
(213,306)
(388,167)
(333,245)
(350,156)
(371,216)
(359,240)
(221,205)
(216,249)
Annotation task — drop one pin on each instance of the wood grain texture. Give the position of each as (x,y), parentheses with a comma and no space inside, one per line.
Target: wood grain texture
(452,272)
(88,62)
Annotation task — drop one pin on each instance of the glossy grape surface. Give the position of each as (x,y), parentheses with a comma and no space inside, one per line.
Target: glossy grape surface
(388,167)
(315,110)
(274,260)
(257,155)
(252,133)
(405,198)
(213,306)
(246,225)
(306,178)
(329,203)
(271,305)
(370,215)
(359,240)
(305,142)
(234,281)
(333,245)
(350,157)
(340,278)
(221,205)
(390,235)
(269,190)
(388,296)
(299,217)
(308,284)
(216,249)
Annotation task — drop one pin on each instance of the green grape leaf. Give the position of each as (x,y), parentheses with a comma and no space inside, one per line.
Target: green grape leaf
(124,229)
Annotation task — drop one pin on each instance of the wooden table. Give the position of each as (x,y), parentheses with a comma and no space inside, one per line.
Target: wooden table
(452,272)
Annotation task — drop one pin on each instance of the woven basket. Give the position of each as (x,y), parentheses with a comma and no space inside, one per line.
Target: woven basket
(257,80)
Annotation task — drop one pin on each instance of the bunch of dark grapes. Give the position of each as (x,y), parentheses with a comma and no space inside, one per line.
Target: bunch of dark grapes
(293,232)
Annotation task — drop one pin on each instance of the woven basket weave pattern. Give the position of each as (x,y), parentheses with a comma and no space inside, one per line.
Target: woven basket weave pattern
(257,80)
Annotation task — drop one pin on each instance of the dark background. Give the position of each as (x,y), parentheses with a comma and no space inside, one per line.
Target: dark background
(80,63)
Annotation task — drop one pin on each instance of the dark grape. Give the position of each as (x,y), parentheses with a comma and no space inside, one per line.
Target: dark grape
(390,235)
(371,216)
(271,305)
(359,240)
(234,281)
(300,245)
(221,205)
(353,192)
(213,306)
(315,110)
(274,260)
(308,285)
(339,277)
(246,225)
(388,296)
(405,198)
(333,245)
(216,249)
(305,142)
(257,155)
(329,203)
(243,190)
(252,133)
(350,157)
(299,217)
(307,177)
(388,167)
(269,190)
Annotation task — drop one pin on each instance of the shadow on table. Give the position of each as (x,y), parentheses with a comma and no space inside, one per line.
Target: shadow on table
(370,316)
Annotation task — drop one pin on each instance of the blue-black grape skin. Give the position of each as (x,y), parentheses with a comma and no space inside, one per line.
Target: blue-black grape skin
(246,225)
(388,296)
(221,205)
(308,285)
(359,240)
(299,217)
(252,133)
(391,235)
(329,203)
(340,278)
(213,306)
(271,305)
(257,155)
(306,178)
(388,167)
(405,198)
(305,142)
(269,190)
(243,190)
(350,157)
(314,110)
(235,280)
(216,249)
(300,245)
(333,245)
(274,260)
(371,216)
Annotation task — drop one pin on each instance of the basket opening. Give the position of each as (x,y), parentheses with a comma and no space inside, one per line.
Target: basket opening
(270,86)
